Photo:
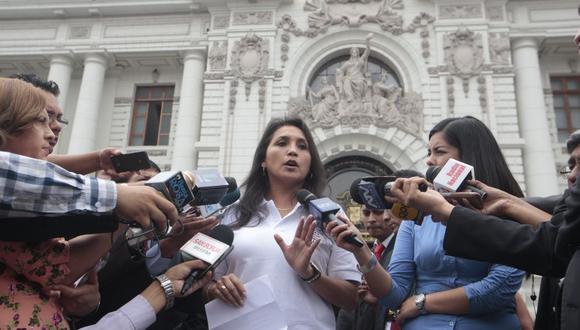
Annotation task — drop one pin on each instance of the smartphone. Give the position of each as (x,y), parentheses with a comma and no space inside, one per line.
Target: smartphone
(131,162)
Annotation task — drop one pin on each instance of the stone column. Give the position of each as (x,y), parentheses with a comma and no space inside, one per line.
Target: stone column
(539,162)
(84,125)
(61,67)
(190,107)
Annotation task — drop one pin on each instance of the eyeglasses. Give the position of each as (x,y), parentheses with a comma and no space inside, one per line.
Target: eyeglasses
(367,212)
(52,118)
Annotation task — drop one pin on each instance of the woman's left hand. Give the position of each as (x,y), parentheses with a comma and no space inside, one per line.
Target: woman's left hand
(299,252)
(408,310)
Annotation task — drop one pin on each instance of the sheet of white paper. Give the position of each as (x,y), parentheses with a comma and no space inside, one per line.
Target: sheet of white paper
(260,310)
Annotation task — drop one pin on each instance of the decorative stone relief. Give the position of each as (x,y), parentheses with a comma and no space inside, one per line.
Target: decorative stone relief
(451,95)
(354,99)
(262,94)
(213,76)
(354,13)
(221,22)
(218,56)
(494,13)
(499,48)
(464,55)
(79,32)
(249,63)
(233,95)
(482,89)
(253,18)
(460,11)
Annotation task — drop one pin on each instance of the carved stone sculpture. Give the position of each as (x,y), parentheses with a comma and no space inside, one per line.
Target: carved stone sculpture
(326,109)
(499,48)
(355,100)
(218,56)
(352,82)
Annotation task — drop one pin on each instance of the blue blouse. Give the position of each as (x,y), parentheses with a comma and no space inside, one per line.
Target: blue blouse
(419,265)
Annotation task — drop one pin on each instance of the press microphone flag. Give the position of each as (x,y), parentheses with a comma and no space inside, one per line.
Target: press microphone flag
(453,177)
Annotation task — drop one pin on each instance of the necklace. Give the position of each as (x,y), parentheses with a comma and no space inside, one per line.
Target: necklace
(284,210)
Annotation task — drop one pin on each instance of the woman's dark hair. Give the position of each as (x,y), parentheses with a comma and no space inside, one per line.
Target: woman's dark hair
(257,184)
(478,148)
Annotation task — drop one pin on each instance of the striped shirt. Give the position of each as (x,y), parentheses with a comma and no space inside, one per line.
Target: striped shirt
(31,187)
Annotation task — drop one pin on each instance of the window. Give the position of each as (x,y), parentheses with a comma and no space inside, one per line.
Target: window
(151,121)
(566,105)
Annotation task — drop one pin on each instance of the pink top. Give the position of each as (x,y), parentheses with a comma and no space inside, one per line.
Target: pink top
(25,269)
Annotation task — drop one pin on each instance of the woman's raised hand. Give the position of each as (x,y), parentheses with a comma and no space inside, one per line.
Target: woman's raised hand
(300,250)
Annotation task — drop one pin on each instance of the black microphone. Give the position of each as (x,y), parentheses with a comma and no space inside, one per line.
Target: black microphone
(371,191)
(210,187)
(324,210)
(432,176)
(212,248)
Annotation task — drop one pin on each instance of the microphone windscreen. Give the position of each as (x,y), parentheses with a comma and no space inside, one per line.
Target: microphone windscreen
(432,173)
(222,233)
(354,192)
(304,196)
(232,184)
(230,198)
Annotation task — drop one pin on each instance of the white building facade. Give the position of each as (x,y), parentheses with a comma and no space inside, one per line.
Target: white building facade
(194,82)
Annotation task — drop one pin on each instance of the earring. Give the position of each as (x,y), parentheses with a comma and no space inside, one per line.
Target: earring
(263,170)
(311,176)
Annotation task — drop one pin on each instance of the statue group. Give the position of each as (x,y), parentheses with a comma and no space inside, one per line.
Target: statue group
(356,99)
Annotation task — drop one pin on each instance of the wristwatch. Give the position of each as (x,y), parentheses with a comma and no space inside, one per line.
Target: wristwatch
(167,287)
(420,302)
(314,276)
(369,265)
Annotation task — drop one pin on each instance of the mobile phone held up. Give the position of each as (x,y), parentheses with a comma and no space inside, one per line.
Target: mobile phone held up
(130,162)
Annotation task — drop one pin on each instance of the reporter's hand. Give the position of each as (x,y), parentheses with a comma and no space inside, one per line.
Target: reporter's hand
(83,299)
(407,192)
(105,155)
(229,289)
(497,201)
(339,232)
(180,233)
(144,205)
(179,273)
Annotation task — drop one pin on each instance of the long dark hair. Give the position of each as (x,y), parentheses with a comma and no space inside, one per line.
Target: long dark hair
(477,147)
(257,184)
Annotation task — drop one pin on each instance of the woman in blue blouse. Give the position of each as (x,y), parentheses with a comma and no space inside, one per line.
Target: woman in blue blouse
(433,290)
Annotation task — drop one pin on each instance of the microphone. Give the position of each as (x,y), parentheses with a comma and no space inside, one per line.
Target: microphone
(175,186)
(219,208)
(210,187)
(324,209)
(212,248)
(371,191)
(452,178)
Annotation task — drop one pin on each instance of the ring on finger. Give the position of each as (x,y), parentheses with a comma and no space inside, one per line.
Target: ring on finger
(223,287)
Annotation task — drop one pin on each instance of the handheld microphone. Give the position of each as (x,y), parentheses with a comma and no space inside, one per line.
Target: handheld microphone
(453,177)
(370,191)
(324,209)
(212,248)
(175,186)
(219,208)
(210,187)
